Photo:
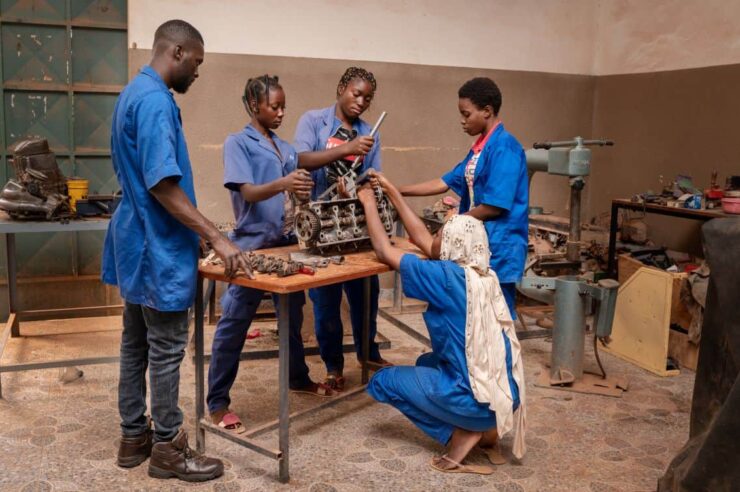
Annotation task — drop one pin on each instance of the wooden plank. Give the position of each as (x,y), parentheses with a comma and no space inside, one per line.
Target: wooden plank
(356,265)
(642,318)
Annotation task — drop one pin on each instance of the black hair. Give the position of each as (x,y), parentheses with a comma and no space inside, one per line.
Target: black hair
(483,92)
(356,73)
(177,31)
(257,89)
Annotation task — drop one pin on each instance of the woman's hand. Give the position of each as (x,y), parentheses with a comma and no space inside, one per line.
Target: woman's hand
(366,195)
(378,179)
(298,182)
(359,146)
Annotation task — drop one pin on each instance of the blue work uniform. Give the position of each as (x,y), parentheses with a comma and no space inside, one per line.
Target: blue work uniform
(500,180)
(312,134)
(148,253)
(436,394)
(250,158)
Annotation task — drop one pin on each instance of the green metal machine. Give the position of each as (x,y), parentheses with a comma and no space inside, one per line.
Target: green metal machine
(572,295)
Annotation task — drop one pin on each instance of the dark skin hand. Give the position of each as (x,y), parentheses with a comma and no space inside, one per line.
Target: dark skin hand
(475,121)
(417,231)
(177,65)
(265,118)
(352,101)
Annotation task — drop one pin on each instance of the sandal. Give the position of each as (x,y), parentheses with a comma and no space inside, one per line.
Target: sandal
(232,423)
(459,467)
(316,389)
(334,382)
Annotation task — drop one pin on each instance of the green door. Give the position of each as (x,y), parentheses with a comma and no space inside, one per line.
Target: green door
(62,65)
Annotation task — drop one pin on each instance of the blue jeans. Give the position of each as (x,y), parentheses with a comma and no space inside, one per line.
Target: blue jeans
(155,339)
(328,321)
(239,305)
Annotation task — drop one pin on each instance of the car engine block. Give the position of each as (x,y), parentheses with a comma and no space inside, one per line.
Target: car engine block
(338,225)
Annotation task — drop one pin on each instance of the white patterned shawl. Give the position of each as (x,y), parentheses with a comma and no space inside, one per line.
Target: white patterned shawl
(464,241)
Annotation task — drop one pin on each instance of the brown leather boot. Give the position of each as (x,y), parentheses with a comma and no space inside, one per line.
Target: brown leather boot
(176,459)
(134,450)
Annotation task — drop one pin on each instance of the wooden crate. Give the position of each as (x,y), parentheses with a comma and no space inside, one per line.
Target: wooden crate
(647,305)
(679,314)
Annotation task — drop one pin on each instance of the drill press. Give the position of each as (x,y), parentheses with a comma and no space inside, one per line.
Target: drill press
(572,295)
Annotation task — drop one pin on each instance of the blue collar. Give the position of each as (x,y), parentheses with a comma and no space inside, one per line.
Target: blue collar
(148,70)
(254,134)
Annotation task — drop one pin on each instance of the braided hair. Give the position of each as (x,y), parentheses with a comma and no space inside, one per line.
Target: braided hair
(258,89)
(483,92)
(356,73)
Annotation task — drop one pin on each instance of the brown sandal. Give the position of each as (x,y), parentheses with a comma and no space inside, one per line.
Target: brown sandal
(459,467)
(334,382)
(494,454)
(316,389)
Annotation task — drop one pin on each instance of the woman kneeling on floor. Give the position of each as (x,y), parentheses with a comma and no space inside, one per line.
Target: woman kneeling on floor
(470,388)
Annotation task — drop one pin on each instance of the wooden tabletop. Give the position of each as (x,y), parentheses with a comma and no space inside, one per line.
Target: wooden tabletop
(356,265)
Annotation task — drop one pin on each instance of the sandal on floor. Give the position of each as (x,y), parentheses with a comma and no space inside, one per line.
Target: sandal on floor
(459,467)
(232,423)
(494,455)
(334,382)
(316,389)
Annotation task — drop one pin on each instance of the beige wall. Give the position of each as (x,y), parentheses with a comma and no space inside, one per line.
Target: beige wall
(635,36)
(421,137)
(536,35)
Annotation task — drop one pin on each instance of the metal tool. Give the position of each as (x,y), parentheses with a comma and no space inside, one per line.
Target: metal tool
(573,296)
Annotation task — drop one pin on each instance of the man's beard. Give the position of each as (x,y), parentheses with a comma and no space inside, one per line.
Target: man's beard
(181,86)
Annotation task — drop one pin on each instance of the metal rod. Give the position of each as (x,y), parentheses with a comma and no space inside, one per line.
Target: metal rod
(397,288)
(611,269)
(283,377)
(3,340)
(32,366)
(366,287)
(76,312)
(329,402)
(200,435)
(205,425)
(12,282)
(573,246)
(211,294)
(373,132)
(404,327)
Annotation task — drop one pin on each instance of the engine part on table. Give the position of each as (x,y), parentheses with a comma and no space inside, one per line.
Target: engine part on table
(267,264)
(95,205)
(316,261)
(39,190)
(339,224)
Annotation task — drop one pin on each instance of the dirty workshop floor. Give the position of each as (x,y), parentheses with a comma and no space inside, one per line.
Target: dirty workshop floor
(63,437)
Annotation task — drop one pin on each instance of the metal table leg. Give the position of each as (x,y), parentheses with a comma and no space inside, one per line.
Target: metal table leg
(12,285)
(611,266)
(283,376)
(366,287)
(200,435)
(211,302)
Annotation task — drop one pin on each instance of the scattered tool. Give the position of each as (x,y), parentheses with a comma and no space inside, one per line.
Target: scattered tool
(268,264)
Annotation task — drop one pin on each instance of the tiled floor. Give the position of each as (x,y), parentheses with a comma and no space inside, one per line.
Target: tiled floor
(63,437)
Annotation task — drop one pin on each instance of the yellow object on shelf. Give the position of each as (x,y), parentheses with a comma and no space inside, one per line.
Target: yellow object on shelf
(77,190)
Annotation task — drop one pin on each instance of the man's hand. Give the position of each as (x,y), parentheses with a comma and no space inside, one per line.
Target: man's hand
(359,146)
(234,258)
(366,195)
(298,182)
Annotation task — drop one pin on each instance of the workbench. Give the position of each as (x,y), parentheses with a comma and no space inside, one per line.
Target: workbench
(10,228)
(651,208)
(356,265)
